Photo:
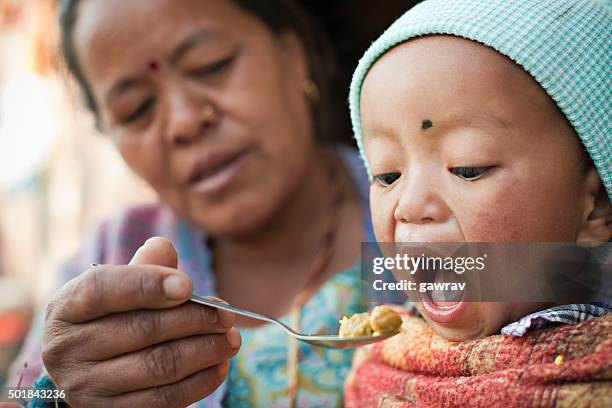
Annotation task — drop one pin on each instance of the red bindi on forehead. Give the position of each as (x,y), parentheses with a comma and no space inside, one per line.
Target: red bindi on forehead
(153,65)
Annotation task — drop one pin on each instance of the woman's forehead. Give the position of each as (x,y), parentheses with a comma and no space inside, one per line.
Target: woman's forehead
(156,19)
(157,24)
(110,44)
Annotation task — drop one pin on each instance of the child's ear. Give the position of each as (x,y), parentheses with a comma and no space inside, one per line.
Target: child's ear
(596,223)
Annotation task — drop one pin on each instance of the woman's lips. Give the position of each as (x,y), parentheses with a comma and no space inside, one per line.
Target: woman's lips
(217,177)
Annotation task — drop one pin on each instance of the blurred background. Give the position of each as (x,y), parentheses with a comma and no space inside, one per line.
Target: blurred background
(58,176)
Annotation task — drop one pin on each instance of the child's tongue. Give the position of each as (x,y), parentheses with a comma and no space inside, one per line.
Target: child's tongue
(446,298)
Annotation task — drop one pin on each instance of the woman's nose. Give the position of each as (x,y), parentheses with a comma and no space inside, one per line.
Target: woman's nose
(420,202)
(189,118)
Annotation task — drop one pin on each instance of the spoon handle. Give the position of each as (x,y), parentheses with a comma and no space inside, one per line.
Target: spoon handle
(219,305)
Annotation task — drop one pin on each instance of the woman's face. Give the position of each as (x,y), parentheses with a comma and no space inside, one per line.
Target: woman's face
(203,101)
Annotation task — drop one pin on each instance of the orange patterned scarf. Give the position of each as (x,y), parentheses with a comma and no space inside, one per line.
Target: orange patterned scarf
(564,366)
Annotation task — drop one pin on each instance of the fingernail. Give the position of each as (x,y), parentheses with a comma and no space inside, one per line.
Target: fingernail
(224,368)
(212,316)
(216,299)
(226,319)
(176,287)
(233,338)
(149,240)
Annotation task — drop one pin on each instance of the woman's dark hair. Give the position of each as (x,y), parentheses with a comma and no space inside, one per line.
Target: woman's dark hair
(330,115)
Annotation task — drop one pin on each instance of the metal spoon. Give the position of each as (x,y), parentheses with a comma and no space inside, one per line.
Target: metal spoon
(330,341)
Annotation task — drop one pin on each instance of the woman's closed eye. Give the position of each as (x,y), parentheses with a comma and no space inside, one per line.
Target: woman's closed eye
(470,173)
(209,70)
(139,112)
(386,179)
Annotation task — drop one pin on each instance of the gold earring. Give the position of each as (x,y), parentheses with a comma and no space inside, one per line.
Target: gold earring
(312,92)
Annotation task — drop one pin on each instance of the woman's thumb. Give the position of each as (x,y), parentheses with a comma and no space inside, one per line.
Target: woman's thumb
(156,251)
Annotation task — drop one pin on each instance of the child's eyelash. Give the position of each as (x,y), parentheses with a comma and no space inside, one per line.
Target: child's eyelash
(386,179)
(465,173)
(470,173)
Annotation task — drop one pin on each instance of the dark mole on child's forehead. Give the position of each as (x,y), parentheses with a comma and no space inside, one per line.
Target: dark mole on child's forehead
(426,124)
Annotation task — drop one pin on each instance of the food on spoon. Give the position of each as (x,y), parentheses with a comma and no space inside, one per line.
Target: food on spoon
(355,326)
(382,320)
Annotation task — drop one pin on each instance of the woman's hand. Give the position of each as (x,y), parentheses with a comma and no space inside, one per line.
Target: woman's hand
(123,336)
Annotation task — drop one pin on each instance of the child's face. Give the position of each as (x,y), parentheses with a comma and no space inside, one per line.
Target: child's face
(466,147)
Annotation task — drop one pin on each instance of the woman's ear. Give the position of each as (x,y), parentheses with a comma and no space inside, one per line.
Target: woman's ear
(596,222)
(295,58)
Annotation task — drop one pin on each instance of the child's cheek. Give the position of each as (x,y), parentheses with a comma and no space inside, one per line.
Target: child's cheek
(496,217)
(382,208)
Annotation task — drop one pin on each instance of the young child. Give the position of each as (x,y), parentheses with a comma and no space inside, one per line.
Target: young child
(489,121)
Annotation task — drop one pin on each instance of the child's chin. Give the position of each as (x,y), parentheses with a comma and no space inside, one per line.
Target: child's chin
(458,334)
(467,325)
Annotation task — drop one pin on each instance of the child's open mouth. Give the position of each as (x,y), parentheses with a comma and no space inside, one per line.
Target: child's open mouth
(442,295)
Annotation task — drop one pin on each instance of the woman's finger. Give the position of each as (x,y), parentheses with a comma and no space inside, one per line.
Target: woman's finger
(121,333)
(180,394)
(156,251)
(165,363)
(109,289)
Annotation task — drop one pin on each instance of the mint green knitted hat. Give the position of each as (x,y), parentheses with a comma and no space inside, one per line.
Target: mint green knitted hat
(566,45)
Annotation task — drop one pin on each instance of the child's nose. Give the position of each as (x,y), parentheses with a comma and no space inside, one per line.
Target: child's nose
(420,203)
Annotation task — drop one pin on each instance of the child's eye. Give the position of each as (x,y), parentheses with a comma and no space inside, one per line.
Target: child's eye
(470,173)
(386,179)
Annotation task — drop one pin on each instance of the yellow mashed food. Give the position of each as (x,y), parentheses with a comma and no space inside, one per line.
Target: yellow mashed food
(381,320)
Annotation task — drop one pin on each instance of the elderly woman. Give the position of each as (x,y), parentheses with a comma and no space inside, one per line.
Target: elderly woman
(222,107)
